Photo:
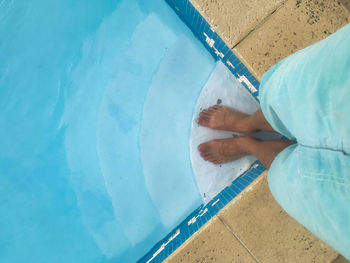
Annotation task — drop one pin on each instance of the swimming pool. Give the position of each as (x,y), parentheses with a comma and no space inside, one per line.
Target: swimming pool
(96,103)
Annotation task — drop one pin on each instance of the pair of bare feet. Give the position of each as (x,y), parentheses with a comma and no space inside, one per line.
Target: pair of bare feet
(226,150)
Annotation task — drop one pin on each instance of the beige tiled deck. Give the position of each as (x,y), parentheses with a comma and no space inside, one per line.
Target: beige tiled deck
(200,247)
(234,19)
(295,25)
(253,227)
(270,233)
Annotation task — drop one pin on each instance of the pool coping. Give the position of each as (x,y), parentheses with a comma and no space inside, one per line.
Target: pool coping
(220,51)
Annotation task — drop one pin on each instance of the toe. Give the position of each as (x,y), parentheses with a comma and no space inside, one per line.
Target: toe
(205,155)
(204,147)
(212,110)
(205,115)
(203,121)
(211,159)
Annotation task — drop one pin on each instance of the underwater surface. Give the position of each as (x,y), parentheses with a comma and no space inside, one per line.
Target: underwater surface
(96,102)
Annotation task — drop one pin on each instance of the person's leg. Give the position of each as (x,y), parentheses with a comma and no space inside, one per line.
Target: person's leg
(225,118)
(257,122)
(226,150)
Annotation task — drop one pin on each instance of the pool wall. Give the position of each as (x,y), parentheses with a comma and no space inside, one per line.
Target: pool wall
(220,51)
(214,44)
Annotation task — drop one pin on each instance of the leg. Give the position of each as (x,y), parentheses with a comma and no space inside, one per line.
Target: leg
(266,151)
(225,150)
(224,118)
(257,122)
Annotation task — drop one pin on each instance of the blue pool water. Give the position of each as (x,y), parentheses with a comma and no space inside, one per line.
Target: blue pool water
(96,101)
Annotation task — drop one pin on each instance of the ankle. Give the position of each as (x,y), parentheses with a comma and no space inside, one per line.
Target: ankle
(245,125)
(246,144)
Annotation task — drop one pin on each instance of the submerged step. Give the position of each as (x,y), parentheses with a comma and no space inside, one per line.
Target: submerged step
(165,132)
(224,89)
(76,77)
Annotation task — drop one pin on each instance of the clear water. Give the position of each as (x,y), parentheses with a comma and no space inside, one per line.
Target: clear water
(96,101)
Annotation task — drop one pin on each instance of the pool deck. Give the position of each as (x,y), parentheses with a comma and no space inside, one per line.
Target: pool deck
(253,227)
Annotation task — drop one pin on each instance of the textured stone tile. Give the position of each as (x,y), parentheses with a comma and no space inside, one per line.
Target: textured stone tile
(234,19)
(340,259)
(297,24)
(269,232)
(346,4)
(212,243)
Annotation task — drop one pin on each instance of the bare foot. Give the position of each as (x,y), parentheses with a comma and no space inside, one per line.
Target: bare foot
(226,150)
(224,118)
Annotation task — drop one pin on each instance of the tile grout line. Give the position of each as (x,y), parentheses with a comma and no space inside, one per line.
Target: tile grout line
(259,25)
(240,241)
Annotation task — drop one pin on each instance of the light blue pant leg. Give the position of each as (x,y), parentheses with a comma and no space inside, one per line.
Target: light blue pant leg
(306,97)
(318,201)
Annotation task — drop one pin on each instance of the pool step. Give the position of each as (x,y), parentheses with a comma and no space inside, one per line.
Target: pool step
(164,136)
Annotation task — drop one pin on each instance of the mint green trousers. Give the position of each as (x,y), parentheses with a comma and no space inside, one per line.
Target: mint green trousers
(306,97)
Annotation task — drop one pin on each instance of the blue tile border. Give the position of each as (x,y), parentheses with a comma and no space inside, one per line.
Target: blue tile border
(201,215)
(214,44)
(219,50)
